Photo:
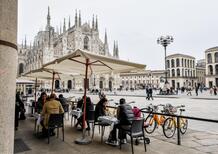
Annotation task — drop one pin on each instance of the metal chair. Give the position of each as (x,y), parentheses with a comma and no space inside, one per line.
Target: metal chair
(135,131)
(102,125)
(66,110)
(56,121)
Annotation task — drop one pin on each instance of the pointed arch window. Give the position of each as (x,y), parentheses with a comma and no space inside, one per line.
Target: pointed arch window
(21,68)
(86,43)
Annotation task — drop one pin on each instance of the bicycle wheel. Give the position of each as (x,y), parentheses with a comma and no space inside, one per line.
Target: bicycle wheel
(169,127)
(183,125)
(150,124)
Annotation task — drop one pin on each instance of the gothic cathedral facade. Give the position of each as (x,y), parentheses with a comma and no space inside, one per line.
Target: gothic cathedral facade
(52,43)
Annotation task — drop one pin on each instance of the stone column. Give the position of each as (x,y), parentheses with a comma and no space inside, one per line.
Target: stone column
(8,71)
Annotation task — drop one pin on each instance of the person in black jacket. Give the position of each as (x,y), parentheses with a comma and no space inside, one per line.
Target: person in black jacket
(41,101)
(100,109)
(89,107)
(80,103)
(125,116)
(19,107)
(63,102)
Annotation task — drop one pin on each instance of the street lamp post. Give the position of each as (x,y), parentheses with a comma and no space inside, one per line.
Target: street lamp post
(164,41)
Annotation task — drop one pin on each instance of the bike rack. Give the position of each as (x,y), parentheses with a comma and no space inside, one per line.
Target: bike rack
(178,119)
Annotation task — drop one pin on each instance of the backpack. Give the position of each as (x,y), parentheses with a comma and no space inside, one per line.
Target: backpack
(137,112)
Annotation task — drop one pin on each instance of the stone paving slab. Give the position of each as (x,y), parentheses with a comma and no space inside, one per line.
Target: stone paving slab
(208,142)
(208,149)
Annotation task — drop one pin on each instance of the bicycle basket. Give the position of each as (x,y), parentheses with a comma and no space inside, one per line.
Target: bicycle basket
(173,109)
(155,108)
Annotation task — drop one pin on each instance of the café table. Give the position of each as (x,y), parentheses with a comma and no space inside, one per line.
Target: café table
(37,118)
(106,121)
(75,114)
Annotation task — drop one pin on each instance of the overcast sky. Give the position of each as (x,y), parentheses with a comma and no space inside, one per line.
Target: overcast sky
(136,24)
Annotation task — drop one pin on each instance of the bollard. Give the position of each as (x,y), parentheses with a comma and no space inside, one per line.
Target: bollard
(178,131)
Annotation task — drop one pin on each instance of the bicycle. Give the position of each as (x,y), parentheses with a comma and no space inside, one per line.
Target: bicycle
(170,124)
(153,120)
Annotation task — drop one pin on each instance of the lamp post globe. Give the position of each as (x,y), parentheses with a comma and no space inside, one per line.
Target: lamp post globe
(165,41)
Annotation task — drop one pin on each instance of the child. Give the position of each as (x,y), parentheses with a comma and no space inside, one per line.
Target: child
(137,114)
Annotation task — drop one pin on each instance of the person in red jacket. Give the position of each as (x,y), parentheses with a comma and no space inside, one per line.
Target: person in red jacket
(137,112)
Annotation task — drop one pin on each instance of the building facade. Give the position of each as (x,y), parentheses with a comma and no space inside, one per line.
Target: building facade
(52,43)
(181,70)
(201,72)
(141,79)
(211,55)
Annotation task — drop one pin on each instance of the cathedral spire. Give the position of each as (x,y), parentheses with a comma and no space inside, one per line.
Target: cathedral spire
(96,23)
(69,23)
(25,42)
(117,50)
(80,18)
(93,22)
(64,26)
(114,50)
(60,29)
(105,37)
(48,19)
(106,48)
(76,20)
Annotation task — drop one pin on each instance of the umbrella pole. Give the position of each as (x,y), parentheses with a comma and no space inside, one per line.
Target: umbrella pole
(52,84)
(35,95)
(84,140)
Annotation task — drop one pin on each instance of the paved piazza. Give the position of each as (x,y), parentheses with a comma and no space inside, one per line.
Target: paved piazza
(201,138)
(202,106)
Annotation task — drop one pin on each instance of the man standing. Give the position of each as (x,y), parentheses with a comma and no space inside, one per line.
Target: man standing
(196,90)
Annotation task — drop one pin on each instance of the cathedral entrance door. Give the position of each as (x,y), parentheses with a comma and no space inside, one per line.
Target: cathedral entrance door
(57,84)
(101,84)
(69,84)
(216,82)
(110,85)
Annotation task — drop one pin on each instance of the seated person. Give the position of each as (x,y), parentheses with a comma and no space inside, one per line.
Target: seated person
(63,102)
(136,111)
(89,107)
(52,106)
(100,108)
(41,102)
(80,103)
(125,117)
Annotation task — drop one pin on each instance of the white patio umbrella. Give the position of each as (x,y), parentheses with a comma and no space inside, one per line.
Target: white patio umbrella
(86,63)
(47,74)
